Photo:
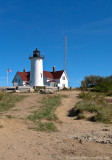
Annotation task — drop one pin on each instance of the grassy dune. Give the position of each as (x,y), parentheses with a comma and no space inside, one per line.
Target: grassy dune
(93,103)
(8,100)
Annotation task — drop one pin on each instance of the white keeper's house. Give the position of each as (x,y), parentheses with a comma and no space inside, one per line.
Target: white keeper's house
(38,77)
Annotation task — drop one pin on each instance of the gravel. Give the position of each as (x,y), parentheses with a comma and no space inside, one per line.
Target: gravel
(103,136)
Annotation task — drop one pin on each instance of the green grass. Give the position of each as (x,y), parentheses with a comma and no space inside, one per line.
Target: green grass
(1,126)
(47,109)
(93,103)
(8,100)
(9,116)
(45,127)
(87,106)
(104,116)
(46,112)
(38,88)
(80,116)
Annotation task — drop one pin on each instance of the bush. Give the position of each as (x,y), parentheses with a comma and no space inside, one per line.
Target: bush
(104,115)
(93,103)
(97,89)
(98,83)
(109,93)
(80,116)
(86,106)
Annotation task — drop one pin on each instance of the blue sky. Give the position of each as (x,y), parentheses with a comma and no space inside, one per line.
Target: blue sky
(29,24)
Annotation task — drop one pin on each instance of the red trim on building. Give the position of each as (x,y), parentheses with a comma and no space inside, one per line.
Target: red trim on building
(53,75)
(25,76)
(48,74)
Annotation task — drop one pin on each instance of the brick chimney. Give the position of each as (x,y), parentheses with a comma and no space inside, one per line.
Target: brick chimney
(24,70)
(53,69)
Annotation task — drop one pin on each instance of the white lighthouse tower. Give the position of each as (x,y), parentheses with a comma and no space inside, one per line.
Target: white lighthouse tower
(36,73)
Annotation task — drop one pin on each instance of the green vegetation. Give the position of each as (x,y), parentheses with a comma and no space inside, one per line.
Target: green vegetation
(45,127)
(93,103)
(9,116)
(95,88)
(98,84)
(8,100)
(39,87)
(80,116)
(46,112)
(1,126)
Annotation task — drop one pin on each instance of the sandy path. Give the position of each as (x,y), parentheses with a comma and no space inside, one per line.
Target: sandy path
(67,104)
(25,107)
(19,143)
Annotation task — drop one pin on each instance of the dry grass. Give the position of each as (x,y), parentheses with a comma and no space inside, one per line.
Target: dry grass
(46,112)
(93,103)
(8,100)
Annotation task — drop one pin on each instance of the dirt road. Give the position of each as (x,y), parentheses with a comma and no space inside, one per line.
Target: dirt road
(17,142)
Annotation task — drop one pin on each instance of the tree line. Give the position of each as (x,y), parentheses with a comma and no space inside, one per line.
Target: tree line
(97,83)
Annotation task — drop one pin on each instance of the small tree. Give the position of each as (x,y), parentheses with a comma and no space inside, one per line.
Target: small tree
(98,83)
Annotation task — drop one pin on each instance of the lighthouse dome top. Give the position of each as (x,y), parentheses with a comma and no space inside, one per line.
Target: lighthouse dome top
(36,54)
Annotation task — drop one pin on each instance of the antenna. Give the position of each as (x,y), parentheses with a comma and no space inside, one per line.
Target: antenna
(65,56)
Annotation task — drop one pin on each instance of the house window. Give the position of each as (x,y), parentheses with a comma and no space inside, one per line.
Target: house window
(63,77)
(63,85)
(15,80)
(19,81)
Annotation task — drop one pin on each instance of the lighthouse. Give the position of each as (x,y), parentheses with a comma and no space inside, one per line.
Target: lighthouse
(36,73)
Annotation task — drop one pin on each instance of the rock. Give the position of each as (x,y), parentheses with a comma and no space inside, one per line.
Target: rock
(89,138)
(31,90)
(110,136)
(42,91)
(110,141)
(97,136)
(75,137)
(17,91)
(104,142)
(105,129)
(82,141)
(98,140)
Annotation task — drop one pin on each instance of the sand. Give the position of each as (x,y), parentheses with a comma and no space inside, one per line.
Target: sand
(17,142)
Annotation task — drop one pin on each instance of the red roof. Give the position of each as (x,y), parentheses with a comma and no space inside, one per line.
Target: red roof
(48,74)
(53,75)
(25,76)
(57,74)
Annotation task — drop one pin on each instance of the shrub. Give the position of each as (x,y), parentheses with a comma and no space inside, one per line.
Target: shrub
(104,116)
(91,96)
(80,116)
(93,102)
(86,106)
(98,83)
